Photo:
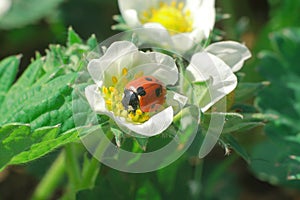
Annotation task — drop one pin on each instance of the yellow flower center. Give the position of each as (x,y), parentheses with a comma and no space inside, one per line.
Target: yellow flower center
(113,101)
(173,17)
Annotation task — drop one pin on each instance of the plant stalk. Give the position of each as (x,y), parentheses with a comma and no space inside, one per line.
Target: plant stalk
(53,177)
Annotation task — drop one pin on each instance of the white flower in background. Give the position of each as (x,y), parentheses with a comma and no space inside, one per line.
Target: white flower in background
(4,6)
(121,64)
(182,22)
(217,63)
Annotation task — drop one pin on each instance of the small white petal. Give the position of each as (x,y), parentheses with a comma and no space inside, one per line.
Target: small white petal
(232,53)
(205,66)
(117,50)
(154,126)
(95,100)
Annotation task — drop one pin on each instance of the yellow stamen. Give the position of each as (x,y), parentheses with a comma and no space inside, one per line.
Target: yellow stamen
(114,79)
(124,71)
(131,115)
(173,16)
(161,4)
(180,5)
(138,112)
(111,89)
(188,13)
(135,118)
(104,90)
(144,118)
(108,102)
(173,3)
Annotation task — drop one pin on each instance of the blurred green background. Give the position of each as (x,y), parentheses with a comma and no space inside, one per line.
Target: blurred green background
(270,28)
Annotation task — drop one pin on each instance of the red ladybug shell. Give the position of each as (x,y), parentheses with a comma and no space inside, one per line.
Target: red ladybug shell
(155,92)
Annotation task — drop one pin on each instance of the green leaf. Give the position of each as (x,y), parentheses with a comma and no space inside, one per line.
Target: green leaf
(92,42)
(8,71)
(234,144)
(73,38)
(29,77)
(234,122)
(118,18)
(26,12)
(246,91)
(19,144)
(142,142)
(37,101)
(276,157)
(118,135)
(200,93)
(121,25)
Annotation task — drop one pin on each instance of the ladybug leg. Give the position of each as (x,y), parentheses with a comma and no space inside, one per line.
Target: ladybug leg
(141,91)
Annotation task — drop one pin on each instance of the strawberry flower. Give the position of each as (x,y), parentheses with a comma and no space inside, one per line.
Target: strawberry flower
(121,63)
(181,22)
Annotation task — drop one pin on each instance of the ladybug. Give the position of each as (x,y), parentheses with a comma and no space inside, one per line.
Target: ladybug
(146,93)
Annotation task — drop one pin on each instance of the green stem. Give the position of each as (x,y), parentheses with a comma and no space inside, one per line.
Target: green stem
(215,176)
(52,178)
(73,169)
(198,178)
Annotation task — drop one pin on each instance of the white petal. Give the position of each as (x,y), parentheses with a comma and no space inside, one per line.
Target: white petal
(203,13)
(117,50)
(4,6)
(131,18)
(167,71)
(157,34)
(183,41)
(138,5)
(206,66)
(154,126)
(232,53)
(95,100)
(156,64)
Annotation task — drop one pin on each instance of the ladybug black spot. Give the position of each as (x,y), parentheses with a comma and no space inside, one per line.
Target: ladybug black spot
(152,106)
(141,91)
(148,79)
(158,91)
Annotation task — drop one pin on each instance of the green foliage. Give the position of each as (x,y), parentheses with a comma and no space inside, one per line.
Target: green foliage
(19,144)
(26,12)
(281,9)
(36,111)
(8,72)
(276,157)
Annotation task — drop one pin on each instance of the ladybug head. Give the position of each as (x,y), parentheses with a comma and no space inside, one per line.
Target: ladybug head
(130,100)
